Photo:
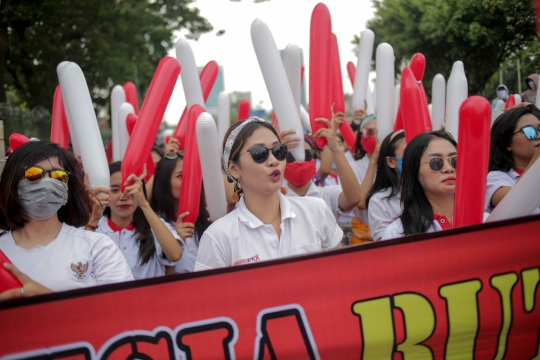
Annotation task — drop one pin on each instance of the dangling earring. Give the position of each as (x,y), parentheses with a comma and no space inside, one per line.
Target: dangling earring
(237,189)
(284,190)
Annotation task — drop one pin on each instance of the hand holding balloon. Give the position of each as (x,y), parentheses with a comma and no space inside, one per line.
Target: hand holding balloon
(173,146)
(30,287)
(291,142)
(136,189)
(100,199)
(337,118)
(330,135)
(184,229)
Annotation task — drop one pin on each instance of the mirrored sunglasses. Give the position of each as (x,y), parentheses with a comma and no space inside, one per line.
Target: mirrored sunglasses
(530,132)
(36,174)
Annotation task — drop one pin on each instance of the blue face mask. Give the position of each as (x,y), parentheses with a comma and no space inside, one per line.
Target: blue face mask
(399,164)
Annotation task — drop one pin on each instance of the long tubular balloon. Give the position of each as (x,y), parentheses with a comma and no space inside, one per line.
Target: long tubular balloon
(304,119)
(292,62)
(210,155)
(522,199)
(207,78)
(374,97)
(351,70)
(190,75)
(72,135)
(59,124)
(277,84)
(511,102)
(152,111)
(365,52)
(537,104)
(456,94)
(78,103)
(243,110)
(16,140)
(518,99)
(411,105)
(337,94)
(131,96)
(418,67)
(131,120)
(499,107)
(190,192)
(369,100)
(472,167)
(430,108)
(385,89)
(224,115)
(123,112)
(320,76)
(118,97)
(397,98)
(438,95)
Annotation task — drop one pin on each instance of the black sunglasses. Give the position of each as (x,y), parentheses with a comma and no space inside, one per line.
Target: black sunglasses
(436,163)
(260,154)
(309,155)
(530,132)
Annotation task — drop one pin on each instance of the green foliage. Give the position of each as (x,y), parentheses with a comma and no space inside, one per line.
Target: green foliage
(481,33)
(113,41)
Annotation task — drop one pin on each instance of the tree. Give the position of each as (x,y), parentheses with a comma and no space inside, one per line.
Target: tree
(112,41)
(481,33)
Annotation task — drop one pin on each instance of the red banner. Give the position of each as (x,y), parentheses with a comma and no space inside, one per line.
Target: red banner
(464,293)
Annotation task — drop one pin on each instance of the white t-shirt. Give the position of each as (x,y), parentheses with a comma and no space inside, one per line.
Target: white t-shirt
(497,180)
(360,167)
(75,259)
(330,195)
(395,229)
(382,211)
(126,240)
(307,226)
(189,248)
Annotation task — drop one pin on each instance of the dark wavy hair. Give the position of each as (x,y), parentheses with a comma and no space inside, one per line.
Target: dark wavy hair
(78,208)
(417,214)
(145,237)
(386,176)
(165,205)
(359,151)
(502,132)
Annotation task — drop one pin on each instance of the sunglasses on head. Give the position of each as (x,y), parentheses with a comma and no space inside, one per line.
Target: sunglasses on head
(260,154)
(36,174)
(173,155)
(367,132)
(436,163)
(530,132)
(309,155)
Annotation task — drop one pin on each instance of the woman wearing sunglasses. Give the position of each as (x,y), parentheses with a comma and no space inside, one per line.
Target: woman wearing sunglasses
(427,186)
(384,201)
(42,206)
(144,240)
(166,194)
(266,225)
(515,146)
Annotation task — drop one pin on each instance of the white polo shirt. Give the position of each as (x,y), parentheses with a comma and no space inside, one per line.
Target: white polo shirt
(497,180)
(307,226)
(330,195)
(126,241)
(395,229)
(382,211)
(75,259)
(189,248)
(360,167)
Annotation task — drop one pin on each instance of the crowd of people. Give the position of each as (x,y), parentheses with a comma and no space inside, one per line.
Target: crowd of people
(60,234)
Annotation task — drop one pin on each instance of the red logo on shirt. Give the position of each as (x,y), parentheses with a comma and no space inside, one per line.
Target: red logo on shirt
(248,260)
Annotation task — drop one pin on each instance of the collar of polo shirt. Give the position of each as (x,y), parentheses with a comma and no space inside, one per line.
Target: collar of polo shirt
(246,217)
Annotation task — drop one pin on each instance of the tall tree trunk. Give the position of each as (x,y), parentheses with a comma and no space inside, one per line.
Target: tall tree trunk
(4,50)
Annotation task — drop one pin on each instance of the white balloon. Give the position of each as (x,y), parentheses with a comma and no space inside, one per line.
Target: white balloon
(537,100)
(118,97)
(125,109)
(304,118)
(369,100)
(224,115)
(209,154)
(385,90)
(365,53)
(430,109)
(189,74)
(522,199)
(495,113)
(438,95)
(518,99)
(74,143)
(78,102)
(397,99)
(456,93)
(277,84)
(292,62)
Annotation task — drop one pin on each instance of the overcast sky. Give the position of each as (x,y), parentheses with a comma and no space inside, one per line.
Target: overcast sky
(289,22)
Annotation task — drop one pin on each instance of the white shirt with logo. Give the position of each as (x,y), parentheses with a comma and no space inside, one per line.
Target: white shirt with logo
(307,226)
(75,259)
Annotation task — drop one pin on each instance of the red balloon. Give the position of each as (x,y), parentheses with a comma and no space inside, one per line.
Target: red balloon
(109,152)
(511,102)
(398,125)
(472,166)
(243,110)
(411,105)
(16,140)
(351,69)
(320,62)
(418,67)
(302,68)
(131,96)
(131,120)
(208,78)
(152,111)
(59,125)
(190,192)
(337,94)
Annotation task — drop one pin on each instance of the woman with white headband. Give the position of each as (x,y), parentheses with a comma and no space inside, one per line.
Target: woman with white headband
(266,225)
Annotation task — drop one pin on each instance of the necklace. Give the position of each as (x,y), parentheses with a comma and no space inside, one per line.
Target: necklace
(274,219)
